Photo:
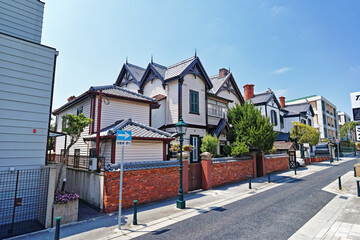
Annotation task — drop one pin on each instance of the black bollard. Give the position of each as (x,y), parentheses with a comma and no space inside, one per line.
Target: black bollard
(57,230)
(358,187)
(339,177)
(354,171)
(135,212)
(249,181)
(269,176)
(295,169)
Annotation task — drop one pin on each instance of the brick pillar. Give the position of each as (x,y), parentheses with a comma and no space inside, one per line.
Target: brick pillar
(254,165)
(186,176)
(206,166)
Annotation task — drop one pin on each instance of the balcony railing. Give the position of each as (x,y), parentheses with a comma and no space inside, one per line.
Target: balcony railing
(79,162)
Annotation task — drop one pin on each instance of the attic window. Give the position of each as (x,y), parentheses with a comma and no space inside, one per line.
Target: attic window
(79,110)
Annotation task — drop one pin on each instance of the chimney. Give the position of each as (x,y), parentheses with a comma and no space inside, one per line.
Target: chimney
(248,91)
(223,72)
(71,98)
(282,102)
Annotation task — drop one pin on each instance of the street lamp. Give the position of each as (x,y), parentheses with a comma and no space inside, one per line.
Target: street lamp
(181,130)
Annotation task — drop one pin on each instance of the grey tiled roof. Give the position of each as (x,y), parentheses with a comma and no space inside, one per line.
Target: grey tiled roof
(260,98)
(137,129)
(176,69)
(297,108)
(217,82)
(121,92)
(137,71)
(160,69)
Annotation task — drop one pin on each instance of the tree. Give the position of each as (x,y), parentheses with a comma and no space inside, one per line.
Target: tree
(73,126)
(209,144)
(250,130)
(347,128)
(302,133)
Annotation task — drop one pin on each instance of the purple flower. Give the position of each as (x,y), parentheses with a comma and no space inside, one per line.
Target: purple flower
(65,197)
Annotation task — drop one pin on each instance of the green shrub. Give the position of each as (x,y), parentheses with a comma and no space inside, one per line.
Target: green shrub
(209,144)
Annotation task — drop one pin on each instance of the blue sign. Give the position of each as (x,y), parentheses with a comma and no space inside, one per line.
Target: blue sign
(123,136)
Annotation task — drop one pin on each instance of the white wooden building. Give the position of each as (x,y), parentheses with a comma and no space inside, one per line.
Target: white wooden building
(27,70)
(120,109)
(184,89)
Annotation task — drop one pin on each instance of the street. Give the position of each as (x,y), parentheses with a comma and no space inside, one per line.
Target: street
(273,214)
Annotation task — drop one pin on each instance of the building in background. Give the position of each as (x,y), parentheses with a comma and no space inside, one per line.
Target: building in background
(27,72)
(325,115)
(344,118)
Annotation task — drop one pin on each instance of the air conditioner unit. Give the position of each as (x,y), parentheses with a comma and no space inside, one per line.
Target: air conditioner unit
(93,163)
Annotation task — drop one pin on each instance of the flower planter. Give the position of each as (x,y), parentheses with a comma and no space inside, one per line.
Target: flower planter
(185,155)
(67,211)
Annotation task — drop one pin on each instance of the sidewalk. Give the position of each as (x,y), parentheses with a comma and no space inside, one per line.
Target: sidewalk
(153,217)
(340,218)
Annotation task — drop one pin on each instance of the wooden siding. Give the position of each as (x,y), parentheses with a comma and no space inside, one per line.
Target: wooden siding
(158,115)
(60,141)
(122,109)
(196,84)
(141,151)
(231,96)
(26,75)
(154,87)
(172,102)
(22,19)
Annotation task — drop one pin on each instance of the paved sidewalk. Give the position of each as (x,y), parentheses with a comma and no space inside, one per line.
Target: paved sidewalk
(154,216)
(340,218)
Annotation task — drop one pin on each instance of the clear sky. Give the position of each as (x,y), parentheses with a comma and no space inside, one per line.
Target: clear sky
(296,48)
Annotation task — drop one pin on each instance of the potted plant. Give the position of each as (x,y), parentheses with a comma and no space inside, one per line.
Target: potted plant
(66,206)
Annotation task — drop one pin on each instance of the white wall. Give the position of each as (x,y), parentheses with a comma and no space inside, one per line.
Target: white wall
(22,19)
(172,98)
(158,115)
(141,151)
(231,96)
(26,71)
(132,87)
(154,87)
(196,84)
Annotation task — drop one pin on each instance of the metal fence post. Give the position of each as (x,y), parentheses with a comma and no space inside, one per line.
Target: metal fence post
(57,230)
(135,212)
(354,171)
(339,177)
(358,187)
(249,181)
(268,176)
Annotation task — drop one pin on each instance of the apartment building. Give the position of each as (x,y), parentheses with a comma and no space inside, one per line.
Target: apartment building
(325,115)
(343,118)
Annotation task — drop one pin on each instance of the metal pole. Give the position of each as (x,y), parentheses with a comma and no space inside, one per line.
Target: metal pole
(358,187)
(295,168)
(121,184)
(249,181)
(57,229)
(337,151)
(354,171)
(268,176)
(339,177)
(180,203)
(135,212)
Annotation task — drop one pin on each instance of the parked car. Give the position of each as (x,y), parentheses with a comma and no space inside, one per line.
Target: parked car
(300,162)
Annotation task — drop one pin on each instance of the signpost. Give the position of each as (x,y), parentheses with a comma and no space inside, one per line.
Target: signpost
(355,103)
(123,138)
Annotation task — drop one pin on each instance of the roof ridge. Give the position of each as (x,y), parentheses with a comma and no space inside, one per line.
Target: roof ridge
(183,61)
(158,65)
(134,93)
(150,128)
(132,65)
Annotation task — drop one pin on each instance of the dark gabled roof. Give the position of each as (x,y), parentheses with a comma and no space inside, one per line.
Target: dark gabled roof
(110,90)
(153,71)
(225,83)
(160,69)
(138,130)
(300,108)
(134,71)
(261,98)
(283,137)
(284,145)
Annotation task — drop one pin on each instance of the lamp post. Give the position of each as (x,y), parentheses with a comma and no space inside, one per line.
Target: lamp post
(181,130)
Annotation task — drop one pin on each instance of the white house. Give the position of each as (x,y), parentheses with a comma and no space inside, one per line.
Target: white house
(343,118)
(113,108)
(184,89)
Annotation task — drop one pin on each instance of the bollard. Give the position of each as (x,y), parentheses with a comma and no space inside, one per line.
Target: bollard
(269,176)
(57,230)
(354,171)
(295,169)
(249,181)
(135,212)
(358,187)
(339,177)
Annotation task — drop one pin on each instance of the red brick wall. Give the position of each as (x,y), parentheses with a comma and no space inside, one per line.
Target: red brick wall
(319,159)
(276,164)
(230,172)
(146,186)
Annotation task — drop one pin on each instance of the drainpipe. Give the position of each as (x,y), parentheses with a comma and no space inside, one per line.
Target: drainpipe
(98,131)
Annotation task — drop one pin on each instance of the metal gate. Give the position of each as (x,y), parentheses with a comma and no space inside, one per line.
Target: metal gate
(195,175)
(23,201)
(292,159)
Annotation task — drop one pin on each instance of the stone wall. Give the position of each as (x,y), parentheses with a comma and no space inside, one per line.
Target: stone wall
(230,172)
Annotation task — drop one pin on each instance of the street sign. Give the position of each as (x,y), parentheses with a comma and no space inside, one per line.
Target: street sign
(123,138)
(357,133)
(355,104)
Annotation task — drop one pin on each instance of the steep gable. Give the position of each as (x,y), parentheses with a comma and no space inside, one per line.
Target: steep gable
(130,74)
(226,83)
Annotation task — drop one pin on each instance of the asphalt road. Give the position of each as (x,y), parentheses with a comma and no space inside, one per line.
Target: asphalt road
(274,214)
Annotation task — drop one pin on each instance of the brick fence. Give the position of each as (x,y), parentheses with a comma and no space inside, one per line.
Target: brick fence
(275,163)
(320,159)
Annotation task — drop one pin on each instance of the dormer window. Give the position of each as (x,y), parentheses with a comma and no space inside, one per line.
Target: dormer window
(79,110)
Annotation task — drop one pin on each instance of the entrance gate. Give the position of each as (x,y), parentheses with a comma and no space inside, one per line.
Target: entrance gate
(195,176)
(23,201)
(292,159)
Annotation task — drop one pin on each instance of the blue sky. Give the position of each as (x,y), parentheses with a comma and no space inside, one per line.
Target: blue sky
(296,48)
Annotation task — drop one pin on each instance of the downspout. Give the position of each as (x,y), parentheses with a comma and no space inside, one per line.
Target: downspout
(98,132)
